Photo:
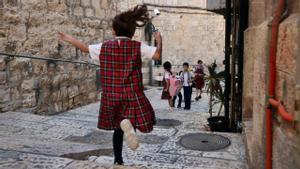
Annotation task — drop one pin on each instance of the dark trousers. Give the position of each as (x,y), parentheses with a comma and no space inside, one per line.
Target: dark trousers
(187,96)
(118,145)
(179,101)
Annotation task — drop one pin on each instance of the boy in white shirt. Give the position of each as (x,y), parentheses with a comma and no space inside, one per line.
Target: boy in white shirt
(187,78)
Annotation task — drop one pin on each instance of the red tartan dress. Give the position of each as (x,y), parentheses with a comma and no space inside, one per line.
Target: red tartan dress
(199,77)
(122,86)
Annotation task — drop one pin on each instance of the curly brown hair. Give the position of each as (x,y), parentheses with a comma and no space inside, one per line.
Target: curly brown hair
(125,23)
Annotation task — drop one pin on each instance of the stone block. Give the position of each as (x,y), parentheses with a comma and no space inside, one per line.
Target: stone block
(2,64)
(78,11)
(5,95)
(100,13)
(104,4)
(288,44)
(28,85)
(92,96)
(256,13)
(71,103)
(15,93)
(19,63)
(65,104)
(285,92)
(45,82)
(29,99)
(3,78)
(89,12)
(58,107)
(85,3)
(56,96)
(73,91)
(283,155)
(79,100)
(64,92)
(56,80)
(39,67)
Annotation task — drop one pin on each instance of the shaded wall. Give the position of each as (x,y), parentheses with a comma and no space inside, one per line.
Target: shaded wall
(286,144)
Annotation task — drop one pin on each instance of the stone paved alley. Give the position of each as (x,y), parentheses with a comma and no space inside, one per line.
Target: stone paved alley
(70,140)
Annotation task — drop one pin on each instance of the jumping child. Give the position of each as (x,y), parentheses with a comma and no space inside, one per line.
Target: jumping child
(186,75)
(199,79)
(166,84)
(124,106)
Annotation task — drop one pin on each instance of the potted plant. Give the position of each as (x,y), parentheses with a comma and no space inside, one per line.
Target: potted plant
(216,97)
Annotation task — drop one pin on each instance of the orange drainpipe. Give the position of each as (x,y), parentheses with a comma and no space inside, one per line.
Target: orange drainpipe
(272,79)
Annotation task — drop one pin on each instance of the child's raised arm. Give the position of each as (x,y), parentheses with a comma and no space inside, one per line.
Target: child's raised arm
(65,37)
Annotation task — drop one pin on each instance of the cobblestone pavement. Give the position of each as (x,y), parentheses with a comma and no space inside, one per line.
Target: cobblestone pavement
(71,140)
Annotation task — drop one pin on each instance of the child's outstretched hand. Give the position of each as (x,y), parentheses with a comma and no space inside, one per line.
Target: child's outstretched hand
(68,38)
(64,37)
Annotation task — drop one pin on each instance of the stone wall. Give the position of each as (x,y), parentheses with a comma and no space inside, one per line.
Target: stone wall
(286,145)
(31,27)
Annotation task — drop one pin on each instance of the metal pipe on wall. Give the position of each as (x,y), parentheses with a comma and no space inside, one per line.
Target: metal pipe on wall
(227,57)
(233,68)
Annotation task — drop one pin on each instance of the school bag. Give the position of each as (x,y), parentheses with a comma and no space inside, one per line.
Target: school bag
(175,85)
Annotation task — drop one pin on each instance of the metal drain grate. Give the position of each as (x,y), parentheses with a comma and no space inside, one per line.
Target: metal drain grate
(204,142)
(168,122)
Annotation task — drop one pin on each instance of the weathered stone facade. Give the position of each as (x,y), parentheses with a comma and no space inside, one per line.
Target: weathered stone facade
(31,27)
(189,31)
(286,145)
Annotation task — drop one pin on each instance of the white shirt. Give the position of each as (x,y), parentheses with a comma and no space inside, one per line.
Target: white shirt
(167,75)
(147,52)
(186,76)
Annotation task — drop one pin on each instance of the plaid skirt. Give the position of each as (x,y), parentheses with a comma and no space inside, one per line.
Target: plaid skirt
(133,106)
(199,82)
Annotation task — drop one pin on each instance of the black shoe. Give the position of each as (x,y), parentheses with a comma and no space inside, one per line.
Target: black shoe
(119,162)
(197,98)
(186,108)
(179,107)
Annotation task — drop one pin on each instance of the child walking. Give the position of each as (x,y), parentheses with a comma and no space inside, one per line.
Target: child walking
(186,75)
(199,79)
(179,94)
(124,106)
(166,84)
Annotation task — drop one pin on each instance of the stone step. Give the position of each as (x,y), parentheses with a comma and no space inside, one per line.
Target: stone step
(107,160)
(162,161)
(18,160)
(49,147)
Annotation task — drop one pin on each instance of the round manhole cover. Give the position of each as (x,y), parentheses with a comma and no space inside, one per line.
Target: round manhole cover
(168,122)
(204,142)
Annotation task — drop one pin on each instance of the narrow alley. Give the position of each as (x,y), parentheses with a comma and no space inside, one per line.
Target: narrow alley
(77,78)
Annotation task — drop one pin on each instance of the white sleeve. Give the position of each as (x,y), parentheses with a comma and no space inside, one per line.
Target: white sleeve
(147,51)
(94,51)
(167,75)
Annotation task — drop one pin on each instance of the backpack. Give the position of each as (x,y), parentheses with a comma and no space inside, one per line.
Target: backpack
(175,85)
